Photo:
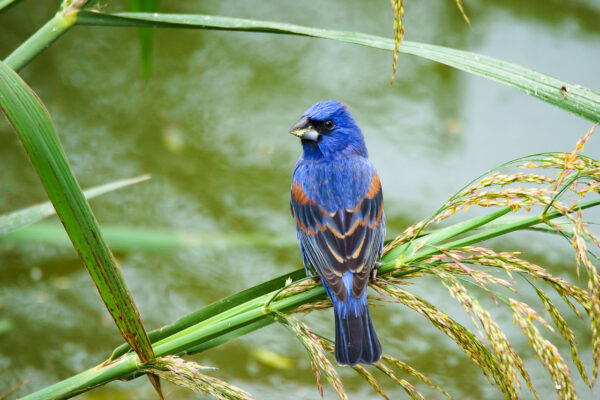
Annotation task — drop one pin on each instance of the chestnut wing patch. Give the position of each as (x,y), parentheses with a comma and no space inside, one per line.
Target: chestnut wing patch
(345,240)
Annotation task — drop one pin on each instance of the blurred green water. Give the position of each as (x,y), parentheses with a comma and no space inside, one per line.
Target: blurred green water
(211,127)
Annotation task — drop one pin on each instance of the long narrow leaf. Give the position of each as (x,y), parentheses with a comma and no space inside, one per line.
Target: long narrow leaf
(27,216)
(570,97)
(235,315)
(146,35)
(7,3)
(34,128)
(499,229)
(230,302)
(124,238)
(215,308)
(558,227)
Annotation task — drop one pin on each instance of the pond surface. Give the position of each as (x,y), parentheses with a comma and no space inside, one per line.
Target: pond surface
(211,125)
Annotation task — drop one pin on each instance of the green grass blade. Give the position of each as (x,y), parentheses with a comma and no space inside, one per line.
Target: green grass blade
(34,128)
(27,216)
(439,237)
(219,340)
(215,308)
(566,227)
(499,228)
(46,35)
(573,98)
(238,314)
(146,35)
(39,41)
(125,238)
(444,234)
(7,3)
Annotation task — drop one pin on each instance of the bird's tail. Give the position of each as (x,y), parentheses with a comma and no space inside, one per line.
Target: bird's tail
(355,338)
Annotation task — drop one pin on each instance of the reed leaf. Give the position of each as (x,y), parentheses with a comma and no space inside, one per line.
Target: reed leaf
(17,220)
(581,101)
(127,238)
(35,129)
(448,250)
(146,35)
(7,3)
(228,318)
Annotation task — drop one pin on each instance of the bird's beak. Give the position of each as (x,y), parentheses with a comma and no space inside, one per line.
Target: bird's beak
(304,130)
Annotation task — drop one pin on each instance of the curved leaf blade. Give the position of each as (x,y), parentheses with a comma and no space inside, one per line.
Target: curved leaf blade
(146,35)
(573,98)
(30,215)
(34,127)
(6,3)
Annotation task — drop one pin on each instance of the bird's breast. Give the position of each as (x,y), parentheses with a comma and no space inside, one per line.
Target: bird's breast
(335,185)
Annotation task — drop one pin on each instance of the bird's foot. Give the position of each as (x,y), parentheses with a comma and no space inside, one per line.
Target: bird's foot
(375,269)
(310,272)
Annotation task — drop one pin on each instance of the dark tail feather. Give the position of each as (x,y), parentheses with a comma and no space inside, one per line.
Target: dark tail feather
(355,339)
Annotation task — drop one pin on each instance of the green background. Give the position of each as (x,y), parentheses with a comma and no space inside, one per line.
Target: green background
(211,127)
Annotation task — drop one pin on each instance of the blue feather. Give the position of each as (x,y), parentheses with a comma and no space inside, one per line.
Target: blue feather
(356,341)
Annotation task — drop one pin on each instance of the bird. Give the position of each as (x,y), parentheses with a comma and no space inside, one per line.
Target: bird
(337,203)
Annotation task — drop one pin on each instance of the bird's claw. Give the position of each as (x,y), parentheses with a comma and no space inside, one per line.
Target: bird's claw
(374,270)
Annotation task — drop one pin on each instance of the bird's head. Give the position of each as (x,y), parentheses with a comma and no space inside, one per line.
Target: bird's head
(328,131)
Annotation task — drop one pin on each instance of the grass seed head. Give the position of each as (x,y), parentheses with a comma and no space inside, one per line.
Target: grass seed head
(362,371)
(565,332)
(468,342)
(319,362)
(508,360)
(188,374)
(546,352)
(413,372)
(408,388)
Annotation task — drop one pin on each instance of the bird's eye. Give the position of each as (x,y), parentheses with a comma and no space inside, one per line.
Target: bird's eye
(328,124)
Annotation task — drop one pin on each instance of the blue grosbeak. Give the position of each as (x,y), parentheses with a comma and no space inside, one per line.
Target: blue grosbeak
(338,207)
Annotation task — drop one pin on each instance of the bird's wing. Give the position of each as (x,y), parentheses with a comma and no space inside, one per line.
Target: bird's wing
(345,240)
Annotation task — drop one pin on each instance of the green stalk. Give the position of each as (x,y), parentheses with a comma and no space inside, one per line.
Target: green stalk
(213,328)
(219,340)
(46,35)
(225,304)
(499,230)
(40,40)
(86,380)
(444,234)
(429,247)
(215,308)
(254,312)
